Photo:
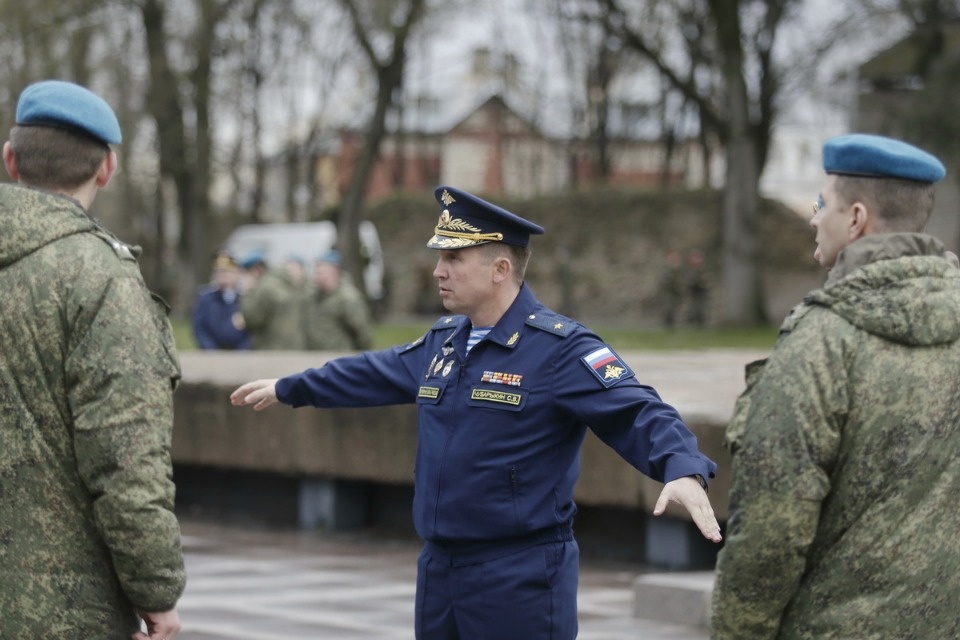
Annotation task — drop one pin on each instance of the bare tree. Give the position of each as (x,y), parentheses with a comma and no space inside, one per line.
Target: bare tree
(373,24)
(727,72)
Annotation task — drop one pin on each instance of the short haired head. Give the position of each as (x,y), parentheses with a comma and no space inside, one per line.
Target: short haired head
(466,221)
(64,105)
(62,135)
(894,178)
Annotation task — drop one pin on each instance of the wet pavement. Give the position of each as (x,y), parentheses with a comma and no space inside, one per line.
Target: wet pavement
(256,584)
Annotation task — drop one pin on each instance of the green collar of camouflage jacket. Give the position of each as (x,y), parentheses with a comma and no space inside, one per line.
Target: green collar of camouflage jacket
(897,286)
(883,246)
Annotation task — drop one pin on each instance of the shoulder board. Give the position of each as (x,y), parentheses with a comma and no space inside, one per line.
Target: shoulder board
(795,315)
(447,322)
(123,250)
(552,323)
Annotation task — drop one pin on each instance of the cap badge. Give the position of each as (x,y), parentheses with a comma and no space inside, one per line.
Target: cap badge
(455,224)
(446,198)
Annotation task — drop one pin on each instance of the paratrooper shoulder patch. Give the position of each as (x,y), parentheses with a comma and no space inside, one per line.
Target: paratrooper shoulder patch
(607,366)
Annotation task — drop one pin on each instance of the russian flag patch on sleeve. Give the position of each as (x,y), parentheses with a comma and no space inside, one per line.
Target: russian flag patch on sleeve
(607,366)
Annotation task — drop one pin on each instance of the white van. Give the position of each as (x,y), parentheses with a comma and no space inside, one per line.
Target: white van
(307,240)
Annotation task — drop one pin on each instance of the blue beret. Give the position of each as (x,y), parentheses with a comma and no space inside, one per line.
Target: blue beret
(64,105)
(860,154)
(467,220)
(332,256)
(253,258)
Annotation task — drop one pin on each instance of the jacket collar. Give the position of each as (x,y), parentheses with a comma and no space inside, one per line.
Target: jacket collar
(509,328)
(883,246)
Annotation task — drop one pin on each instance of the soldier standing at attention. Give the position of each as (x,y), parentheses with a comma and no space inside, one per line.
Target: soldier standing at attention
(337,315)
(89,544)
(216,319)
(271,303)
(505,391)
(846,443)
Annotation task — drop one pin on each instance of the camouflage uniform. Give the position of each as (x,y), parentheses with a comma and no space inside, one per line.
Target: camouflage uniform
(338,320)
(846,444)
(272,311)
(87,368)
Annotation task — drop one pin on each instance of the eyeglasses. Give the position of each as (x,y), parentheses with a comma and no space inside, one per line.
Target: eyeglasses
(818,205)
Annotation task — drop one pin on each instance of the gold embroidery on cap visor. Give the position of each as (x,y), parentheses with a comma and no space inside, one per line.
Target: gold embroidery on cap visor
(454,233)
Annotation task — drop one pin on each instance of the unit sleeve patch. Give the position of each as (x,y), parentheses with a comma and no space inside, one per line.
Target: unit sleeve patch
(607,366)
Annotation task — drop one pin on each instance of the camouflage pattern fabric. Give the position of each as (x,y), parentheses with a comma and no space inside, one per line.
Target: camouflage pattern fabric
(339,320)
(273,312)
(847,459)
(87,367)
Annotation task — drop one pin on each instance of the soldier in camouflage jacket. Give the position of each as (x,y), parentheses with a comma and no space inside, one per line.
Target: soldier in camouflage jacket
(846,443)
(337,315)
(89,543)
(272,309)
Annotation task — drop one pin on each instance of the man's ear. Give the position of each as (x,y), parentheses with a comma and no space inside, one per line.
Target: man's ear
(107,168)
(861,222)
(502,269)
(10,162)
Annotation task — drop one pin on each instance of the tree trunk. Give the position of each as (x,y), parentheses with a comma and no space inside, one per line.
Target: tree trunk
(742,294)
(163,100)
(742,303)
(351,209)
(389,79)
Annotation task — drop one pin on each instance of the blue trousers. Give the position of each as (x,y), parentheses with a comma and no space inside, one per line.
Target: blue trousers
(524,594)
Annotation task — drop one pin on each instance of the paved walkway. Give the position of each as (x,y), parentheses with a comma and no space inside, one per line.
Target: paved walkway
(286,585)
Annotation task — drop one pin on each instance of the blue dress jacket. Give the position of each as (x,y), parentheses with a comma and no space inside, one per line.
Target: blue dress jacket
(212,321)
(500,428)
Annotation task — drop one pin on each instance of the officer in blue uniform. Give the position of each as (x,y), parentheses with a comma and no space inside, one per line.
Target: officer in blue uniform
(505,390)
(216,319)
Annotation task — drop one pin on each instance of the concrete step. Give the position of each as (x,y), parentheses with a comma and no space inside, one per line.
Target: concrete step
(676,597)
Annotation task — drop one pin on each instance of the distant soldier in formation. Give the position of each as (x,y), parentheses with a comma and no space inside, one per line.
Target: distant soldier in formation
(337,315)
(672,287)
(272,305)
(696,288)
(846,443)
(89,544)
(216,319)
